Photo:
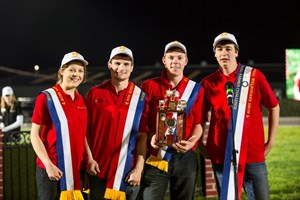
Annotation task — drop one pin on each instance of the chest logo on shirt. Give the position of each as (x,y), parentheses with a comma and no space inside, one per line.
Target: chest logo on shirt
(81,107)
(100,100)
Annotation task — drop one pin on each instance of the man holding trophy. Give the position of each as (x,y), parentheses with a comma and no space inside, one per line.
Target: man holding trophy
(174,117)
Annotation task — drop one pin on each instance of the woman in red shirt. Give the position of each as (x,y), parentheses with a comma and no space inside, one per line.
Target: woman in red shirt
(58,133)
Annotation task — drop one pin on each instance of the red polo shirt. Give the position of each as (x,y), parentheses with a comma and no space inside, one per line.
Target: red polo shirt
(107,116)
(76,114)
(215,98)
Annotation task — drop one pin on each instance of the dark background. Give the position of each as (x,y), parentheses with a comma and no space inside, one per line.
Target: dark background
(42,31)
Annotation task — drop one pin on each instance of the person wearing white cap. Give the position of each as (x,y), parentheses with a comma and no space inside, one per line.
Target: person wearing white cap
(11,115)
(235,95)
(58,133)
(115,108)
(174,163)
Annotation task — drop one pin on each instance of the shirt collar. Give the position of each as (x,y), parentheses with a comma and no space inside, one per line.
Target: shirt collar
(76,95)
(231,76)
(166,83)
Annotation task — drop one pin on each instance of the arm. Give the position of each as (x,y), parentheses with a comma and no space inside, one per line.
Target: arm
(93,167)
(134,177)
(16,124)
(54,173)
(202,142)
(273,122)
(185,145)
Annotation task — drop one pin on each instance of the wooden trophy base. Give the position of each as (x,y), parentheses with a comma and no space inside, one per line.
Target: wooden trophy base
(170,127)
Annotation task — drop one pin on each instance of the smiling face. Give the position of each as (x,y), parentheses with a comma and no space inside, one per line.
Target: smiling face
(175,61)
(120,67)
(72,74)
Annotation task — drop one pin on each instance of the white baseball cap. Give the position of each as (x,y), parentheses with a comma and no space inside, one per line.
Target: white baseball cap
(225,36)
(175,44)
(7,90)
(73,56)
(121,50)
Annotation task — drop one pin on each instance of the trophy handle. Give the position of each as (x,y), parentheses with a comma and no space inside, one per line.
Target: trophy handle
(160,127)
(180,126)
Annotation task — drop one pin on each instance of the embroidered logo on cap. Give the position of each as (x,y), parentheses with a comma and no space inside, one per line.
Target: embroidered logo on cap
(122,48)
(74,54)
(224,34)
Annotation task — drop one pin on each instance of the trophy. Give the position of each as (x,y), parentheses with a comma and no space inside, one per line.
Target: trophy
(170,120)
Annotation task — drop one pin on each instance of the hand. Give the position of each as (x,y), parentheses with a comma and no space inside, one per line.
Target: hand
(183,146)
(93,167)
(1,124)
(154,143)
(134,177)
(268,148)
(54,173)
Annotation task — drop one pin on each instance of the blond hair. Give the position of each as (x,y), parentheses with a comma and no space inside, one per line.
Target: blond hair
(12,102)
(65,66)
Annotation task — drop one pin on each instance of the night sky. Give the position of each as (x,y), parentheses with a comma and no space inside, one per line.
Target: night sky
(42,31)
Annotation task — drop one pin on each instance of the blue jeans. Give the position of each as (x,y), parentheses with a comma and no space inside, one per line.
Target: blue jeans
(98,187)
(181,177)
(46,189)
(255,184)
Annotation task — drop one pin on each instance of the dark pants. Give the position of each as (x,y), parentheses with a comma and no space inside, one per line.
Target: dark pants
(47,189)
(181,177)
(98,187)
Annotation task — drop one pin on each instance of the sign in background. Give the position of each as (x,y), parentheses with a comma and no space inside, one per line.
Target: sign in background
(292,66)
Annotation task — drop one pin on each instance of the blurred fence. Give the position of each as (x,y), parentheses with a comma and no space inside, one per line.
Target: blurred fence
(18,167)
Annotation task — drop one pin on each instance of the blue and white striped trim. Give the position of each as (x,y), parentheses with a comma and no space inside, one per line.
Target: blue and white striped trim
(129,138)
(63,146)
(239,110)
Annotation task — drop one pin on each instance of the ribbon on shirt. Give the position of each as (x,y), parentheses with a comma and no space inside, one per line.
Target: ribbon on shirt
(241,112)
(116,185)
(63,146)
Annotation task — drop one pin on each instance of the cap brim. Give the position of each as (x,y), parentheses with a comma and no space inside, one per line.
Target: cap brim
(223,39)
(175,46)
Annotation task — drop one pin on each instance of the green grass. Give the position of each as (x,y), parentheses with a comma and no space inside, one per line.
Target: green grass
(283,164)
